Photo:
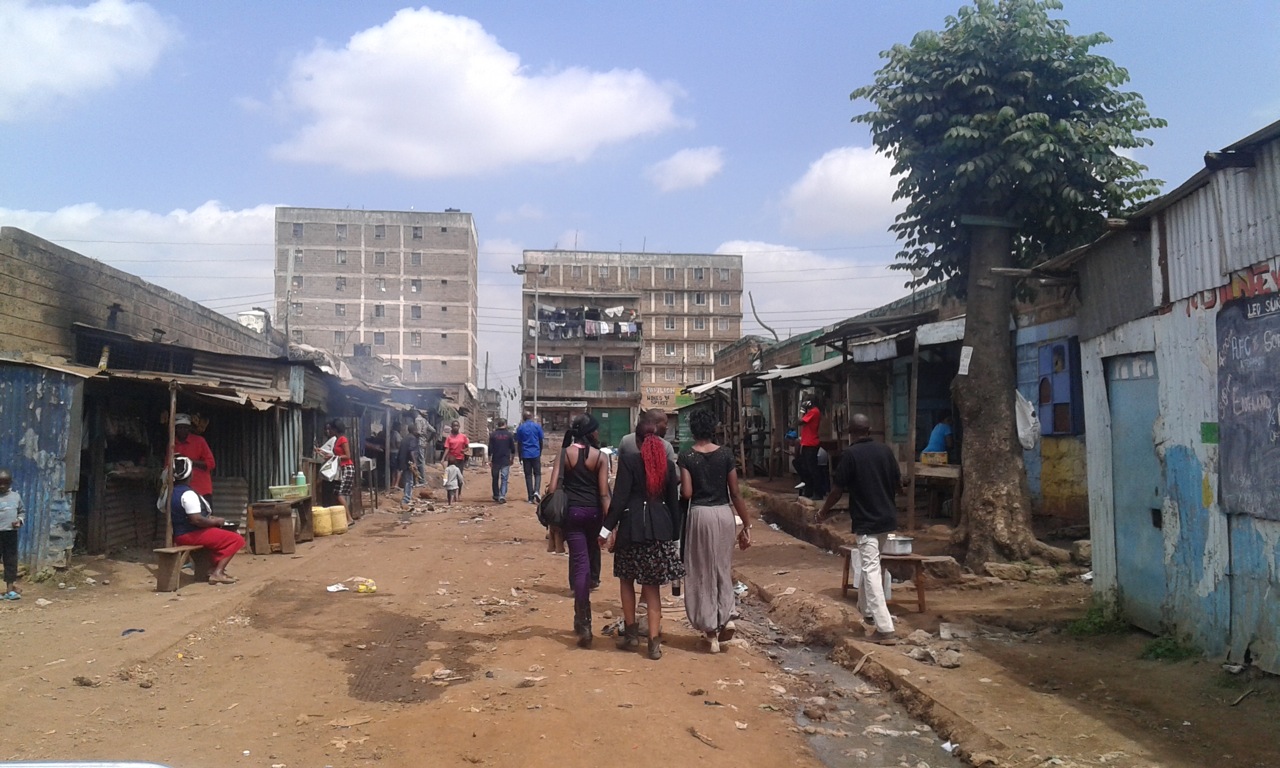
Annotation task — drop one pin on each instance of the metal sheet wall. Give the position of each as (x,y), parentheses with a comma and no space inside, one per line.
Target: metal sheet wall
(1228,225)
(40,445)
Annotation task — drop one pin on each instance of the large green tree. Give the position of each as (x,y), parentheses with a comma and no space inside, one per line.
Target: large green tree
(1008,137)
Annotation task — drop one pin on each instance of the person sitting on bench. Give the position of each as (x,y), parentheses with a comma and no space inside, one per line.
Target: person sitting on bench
(195,525)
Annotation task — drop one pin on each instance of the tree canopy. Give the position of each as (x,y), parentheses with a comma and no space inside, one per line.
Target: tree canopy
(1005,114)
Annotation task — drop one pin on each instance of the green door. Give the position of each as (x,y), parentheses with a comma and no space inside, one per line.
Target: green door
(614,423)
(591,374)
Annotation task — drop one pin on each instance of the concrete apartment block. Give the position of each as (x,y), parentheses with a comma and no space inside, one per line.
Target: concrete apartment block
(402,282)
(688,306)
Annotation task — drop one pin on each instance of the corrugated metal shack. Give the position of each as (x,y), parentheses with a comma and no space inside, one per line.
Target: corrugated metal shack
(1180,347)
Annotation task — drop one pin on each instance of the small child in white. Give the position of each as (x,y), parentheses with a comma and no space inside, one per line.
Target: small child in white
(453,482)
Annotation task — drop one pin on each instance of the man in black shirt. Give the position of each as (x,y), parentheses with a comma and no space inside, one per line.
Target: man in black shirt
(869,472)
(502,446)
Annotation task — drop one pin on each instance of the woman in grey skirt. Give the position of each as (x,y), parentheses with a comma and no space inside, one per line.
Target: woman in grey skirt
(709,480)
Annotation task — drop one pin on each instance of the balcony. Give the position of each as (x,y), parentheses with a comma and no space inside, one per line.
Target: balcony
(569,385)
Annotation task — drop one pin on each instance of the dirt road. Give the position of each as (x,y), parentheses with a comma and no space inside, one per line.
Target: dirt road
(463,656)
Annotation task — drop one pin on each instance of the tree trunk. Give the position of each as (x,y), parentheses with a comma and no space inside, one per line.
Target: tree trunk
(995,523)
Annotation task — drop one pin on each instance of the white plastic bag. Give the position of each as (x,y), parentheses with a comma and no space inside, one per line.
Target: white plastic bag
(1028,422)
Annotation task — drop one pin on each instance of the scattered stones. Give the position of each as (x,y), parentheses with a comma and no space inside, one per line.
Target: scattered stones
(86,682)
(919,637)
(1045,575)
(43,603)
(948,659)
(1082,552)
(1006,571)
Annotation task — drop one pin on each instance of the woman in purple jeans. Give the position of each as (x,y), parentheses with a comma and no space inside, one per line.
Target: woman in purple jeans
(586,482)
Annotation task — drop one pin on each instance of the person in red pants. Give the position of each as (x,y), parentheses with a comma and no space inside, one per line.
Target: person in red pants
(195,525)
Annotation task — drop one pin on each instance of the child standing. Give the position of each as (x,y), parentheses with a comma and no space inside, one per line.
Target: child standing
(12,516)
(453,482)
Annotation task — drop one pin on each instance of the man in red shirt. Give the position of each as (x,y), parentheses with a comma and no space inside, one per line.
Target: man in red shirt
(807,465)
(195,448)
(457,447)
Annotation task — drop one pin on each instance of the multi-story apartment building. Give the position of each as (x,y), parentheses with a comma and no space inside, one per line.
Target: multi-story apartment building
(401,282)
(659,320)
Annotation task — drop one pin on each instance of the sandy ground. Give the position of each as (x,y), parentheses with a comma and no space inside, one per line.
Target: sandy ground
(464,656)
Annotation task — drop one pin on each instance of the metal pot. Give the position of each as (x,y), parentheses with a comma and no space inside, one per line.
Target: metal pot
(898,545)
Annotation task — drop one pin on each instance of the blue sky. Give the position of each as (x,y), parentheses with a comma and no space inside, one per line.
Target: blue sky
(158,137)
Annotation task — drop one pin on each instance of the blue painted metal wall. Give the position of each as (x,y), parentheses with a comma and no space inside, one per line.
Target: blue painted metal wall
(40,444)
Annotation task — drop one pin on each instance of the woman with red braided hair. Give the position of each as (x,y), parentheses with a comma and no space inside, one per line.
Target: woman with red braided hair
(641,531)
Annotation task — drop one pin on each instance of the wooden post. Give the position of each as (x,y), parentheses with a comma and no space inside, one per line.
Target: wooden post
(740,414)
(911,434)
(168,463)
(774,442)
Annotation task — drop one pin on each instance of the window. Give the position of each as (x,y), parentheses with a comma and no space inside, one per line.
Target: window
(444,308)
(669,273)
(444,335)
(297,282)
(339,283)
(379,310)
(340,310)
(444,229)
(415,286)
(417,233)
(415,259)
(444,362)
(340,257)
(699,350)
(297,231)
(553,373)
(697,273)
(669,374)
(699,323)
(342,231)
(724,299)
(603,273)
(380,284)
(415,369)
(415,312)
(379,339)
(296,308)
(670,349)
(444,282)
(669,323)
(576,270)
(379,231)
(633,273)
(700,375)
(297,256)
(669,299)
(415,339)
(722,274)
(379,258)
(722,323)
(700,299)
(297,337)
(339,338)
(715,349)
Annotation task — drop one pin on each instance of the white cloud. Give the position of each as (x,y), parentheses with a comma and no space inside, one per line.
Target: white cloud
(433,95)
(686,168)
(796,291)
(53,53)
(522,212)
(219,257)
(847,191)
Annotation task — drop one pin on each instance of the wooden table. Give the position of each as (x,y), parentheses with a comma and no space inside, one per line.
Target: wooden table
(938,477)
(917,573)
(277,509)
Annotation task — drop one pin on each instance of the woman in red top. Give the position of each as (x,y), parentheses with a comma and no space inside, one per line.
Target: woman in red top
(346,466)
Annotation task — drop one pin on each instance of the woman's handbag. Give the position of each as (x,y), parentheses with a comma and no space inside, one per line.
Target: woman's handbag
(555,505)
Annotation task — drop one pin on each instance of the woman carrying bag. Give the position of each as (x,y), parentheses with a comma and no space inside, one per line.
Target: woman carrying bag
(583,472)
(641,530)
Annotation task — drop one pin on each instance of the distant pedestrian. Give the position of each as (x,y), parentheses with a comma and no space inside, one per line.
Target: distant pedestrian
(658,419)
(426,442)
(807,463)
(194,447)
(709,481)
(869,472)
(195,524)
(529,436)
(457,448)
(406,460)
(337,431)
(586,484)
(502,447)
(641,530)
(12,517)
(453,483)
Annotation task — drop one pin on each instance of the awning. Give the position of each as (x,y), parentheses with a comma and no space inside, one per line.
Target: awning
(53,364)
(944,332)
(710,385)
(257,399)
(802,370)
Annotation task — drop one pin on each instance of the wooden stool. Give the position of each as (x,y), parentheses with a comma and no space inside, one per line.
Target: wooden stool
(917,573)
(169,562)
(273,527)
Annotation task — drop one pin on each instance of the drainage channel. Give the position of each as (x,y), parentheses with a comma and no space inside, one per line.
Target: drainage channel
(850,722)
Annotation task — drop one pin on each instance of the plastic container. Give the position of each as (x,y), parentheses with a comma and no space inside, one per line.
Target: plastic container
(337,519)
(300,478)
(321,521)
(289,491)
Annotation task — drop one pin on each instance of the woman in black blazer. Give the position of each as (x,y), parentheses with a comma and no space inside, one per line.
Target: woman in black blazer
(641,529)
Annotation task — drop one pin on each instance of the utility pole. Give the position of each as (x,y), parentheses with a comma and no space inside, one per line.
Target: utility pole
(523,269)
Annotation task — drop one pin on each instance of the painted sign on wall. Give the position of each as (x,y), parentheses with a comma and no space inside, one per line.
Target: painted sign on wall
(1249,406)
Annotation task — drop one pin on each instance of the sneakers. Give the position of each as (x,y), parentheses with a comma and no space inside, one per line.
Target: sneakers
(11,595)
(502,499)
(883,638)
(537,498)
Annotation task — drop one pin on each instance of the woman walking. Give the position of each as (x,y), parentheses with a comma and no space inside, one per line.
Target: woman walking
(346,466)
(641,529)
(709,480)
(586,482)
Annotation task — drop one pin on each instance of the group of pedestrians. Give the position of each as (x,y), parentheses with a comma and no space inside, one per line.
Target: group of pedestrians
(658,502)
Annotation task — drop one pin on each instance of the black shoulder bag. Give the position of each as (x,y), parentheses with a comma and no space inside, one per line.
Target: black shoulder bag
(555,505)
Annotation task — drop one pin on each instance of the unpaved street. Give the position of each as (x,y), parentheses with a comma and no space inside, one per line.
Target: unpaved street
(463,656)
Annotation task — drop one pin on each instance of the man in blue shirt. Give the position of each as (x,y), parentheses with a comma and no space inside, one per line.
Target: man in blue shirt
(942,437)
(529,437)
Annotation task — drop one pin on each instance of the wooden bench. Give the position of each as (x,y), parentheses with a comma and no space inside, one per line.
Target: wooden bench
(273,517)
(169,562)
(917,573)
